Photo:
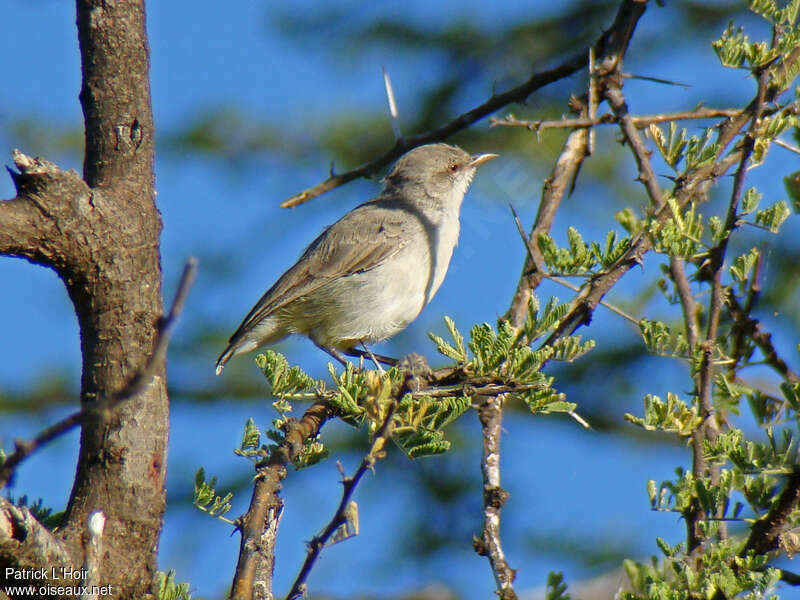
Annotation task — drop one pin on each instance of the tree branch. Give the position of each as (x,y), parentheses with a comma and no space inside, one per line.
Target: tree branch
(23,449)
(640,121)
(685,189)
(708,429)
(26,543)
(259,525)
(688,304)
(765,533)
(33,223)
(115,95)
(615,39)
(641,154)
(753,329)
(575,150)
(490,414)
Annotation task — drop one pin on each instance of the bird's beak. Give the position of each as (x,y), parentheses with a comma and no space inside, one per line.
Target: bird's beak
(479,159)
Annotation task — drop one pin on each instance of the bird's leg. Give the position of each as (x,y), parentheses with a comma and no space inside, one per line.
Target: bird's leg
(367,353)
(334,353)
(373,357)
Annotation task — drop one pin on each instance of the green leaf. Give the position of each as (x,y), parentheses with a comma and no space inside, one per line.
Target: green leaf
(455,351)
(556,589)
(168,589)
(791,391)
(773,217)
(660,339)
(251,439)
(569,348)
(206,499)
(283,379)
(743,265)
(672,416)
(629,221)
(717,229)
(792,184)
(419,423)
(672,145)
(750,200)
(701,151)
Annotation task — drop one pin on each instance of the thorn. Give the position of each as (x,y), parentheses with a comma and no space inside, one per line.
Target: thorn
(393,114)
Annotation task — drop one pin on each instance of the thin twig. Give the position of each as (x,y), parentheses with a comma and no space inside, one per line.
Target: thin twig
(654,79)
(641,154)
(349,484)
(575,150)
(490,413)
(788,147)
(614,40)
(762,338)
(640,122)
(593,99)
(24,448)
(688,304)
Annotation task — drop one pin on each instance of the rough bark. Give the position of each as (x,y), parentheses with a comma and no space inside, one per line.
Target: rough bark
(101,235)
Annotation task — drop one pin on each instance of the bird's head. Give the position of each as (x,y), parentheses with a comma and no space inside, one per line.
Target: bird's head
(436,174)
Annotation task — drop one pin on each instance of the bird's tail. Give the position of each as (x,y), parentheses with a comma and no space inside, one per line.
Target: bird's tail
(225,357)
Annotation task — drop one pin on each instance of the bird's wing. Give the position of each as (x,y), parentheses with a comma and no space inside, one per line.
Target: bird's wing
(361,240)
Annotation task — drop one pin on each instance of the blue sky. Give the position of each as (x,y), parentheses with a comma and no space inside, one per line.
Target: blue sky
(561,477)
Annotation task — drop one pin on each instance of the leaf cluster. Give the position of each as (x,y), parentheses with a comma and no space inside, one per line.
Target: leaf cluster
(677,147)
(169,589)
(505,355)
(581,258)
(672,416)
(205,497)
(716,571)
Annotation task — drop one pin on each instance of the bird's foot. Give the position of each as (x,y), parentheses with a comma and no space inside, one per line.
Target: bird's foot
(417,371)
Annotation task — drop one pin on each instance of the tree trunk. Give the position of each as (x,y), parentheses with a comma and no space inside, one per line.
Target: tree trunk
(101,235)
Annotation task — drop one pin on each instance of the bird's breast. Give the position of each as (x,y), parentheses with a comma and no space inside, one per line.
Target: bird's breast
(443,241)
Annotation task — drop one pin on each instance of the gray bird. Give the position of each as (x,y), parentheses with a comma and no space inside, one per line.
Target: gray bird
(367,276)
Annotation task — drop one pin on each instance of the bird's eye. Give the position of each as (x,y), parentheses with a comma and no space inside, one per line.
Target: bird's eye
(454,167)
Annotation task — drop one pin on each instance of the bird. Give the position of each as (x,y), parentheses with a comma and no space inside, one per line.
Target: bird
(370,274)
